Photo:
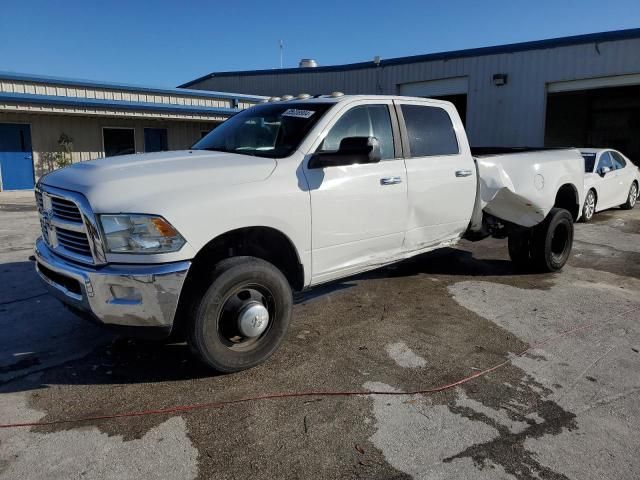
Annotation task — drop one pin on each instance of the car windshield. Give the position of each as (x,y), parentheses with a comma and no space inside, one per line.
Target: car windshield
(271,130)
(589,161)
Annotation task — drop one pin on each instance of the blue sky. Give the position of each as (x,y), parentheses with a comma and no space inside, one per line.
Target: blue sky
(165,43)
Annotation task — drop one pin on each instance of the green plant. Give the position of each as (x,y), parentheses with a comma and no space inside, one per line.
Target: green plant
(63,156)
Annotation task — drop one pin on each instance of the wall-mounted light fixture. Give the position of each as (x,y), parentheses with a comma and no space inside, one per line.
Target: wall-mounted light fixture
(500,79)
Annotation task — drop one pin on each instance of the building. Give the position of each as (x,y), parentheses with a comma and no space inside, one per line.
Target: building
(573,91)
(46,122)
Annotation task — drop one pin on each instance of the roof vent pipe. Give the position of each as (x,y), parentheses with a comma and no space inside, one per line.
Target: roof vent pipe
(307,63)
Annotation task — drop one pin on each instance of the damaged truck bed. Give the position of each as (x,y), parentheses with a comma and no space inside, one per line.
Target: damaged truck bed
(521,186)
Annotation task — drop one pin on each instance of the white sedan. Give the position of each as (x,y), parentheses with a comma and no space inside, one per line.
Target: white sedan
(611,180)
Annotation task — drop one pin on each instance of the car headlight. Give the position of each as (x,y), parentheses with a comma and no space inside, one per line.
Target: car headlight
(139,234)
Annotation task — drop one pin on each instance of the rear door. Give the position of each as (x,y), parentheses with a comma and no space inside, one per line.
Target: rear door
(440,171)
(358,211)
(625,176)
(16,158)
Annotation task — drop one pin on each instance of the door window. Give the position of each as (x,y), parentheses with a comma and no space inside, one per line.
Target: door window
(605,161)
(430,131)
(118,141)
(363,121)
(618,161)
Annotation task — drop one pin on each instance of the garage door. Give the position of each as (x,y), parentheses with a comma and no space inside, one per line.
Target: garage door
(452,90)
(595,113)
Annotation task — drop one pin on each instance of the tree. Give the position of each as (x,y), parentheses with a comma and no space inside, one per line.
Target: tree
(65,148)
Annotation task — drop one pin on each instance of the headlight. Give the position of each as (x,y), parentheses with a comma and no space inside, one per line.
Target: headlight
(140,234)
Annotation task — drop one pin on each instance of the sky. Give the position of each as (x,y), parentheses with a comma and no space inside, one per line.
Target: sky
(166,43)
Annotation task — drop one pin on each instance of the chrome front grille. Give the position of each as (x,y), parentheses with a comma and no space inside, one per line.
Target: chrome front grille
(76,242)
(65,209)
(68,226)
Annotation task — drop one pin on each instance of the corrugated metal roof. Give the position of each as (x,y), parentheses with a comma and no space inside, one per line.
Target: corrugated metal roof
(457,54)
(132,88)
(23,98)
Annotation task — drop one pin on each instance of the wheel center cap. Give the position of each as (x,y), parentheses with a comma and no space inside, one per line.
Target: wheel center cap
(253,319)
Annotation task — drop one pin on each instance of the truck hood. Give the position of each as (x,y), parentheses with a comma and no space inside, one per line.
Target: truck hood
(128,182)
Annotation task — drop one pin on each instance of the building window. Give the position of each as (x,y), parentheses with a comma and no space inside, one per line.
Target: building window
(118,141)
(155,140)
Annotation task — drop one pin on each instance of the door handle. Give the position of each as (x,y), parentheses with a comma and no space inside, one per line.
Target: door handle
(390,180)
(463,173)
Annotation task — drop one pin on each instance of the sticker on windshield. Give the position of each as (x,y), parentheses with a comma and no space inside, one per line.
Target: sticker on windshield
(294,112)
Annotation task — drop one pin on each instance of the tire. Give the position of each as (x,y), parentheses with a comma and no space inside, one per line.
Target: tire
(632,198)
(552,241)
(589,208)
(214,330)
(519,244)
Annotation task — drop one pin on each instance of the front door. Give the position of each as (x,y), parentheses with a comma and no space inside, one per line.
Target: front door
(608,182)
(358,211)
(16,158)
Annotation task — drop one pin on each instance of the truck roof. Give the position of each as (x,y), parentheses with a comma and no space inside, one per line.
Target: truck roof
(342,98)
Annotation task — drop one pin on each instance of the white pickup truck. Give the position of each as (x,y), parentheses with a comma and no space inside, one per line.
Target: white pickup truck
(286,195)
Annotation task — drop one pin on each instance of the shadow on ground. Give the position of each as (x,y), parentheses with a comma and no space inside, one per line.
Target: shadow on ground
(134,361)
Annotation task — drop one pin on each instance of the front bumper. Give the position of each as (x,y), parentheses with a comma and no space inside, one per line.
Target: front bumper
(115,295)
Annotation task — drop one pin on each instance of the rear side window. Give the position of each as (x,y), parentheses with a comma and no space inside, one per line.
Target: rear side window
(363,121)
(430,131)
(589,161)
(618,161)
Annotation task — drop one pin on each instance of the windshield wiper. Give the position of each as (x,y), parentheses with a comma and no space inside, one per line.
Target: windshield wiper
(226,150)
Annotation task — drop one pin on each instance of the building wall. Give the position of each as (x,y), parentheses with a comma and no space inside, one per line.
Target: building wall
(86,133)
(511,115)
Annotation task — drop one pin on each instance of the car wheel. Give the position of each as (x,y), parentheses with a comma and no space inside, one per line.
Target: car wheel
(242,315)
(632,198)
(552,241)
(589,206)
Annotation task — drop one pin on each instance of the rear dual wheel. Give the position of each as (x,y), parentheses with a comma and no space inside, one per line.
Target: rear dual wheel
(241,316)
(545,247)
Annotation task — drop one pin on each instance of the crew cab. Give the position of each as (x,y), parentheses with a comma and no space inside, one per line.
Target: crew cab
(210,242)
(611,180)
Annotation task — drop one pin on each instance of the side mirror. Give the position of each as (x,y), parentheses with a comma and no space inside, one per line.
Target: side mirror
(352,150)
(603,171)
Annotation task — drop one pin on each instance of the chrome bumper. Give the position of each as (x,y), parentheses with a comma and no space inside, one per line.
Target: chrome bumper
(118,295)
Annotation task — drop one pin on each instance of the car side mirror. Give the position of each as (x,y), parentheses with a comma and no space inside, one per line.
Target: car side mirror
(352,150)
(603,171)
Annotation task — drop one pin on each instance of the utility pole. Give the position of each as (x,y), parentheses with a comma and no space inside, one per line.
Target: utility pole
(281,49)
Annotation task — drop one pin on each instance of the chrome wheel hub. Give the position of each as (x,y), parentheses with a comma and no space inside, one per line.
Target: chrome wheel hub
(246,317)
(590,206)
(633,195)
(253,319)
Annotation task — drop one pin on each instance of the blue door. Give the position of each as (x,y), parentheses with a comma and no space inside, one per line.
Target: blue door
(155,140)
(16,158)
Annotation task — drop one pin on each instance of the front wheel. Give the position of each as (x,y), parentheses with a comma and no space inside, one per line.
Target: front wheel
(632,198)
(242,316)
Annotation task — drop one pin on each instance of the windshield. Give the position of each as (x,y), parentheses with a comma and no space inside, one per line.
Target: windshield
(589,161)
(269,130)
